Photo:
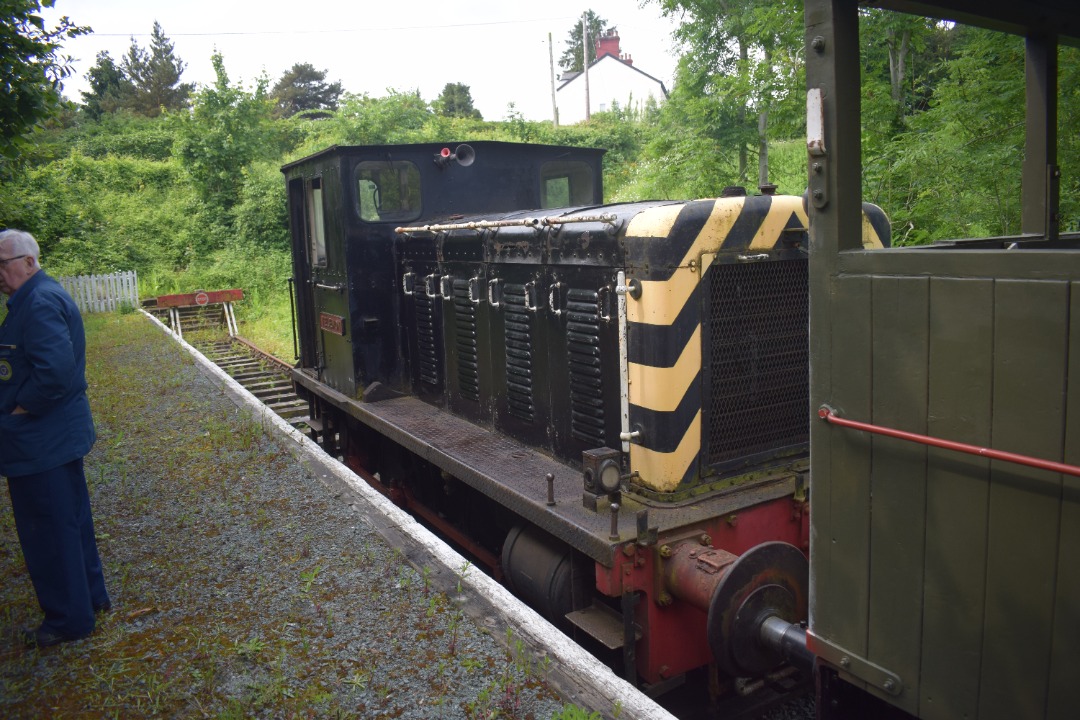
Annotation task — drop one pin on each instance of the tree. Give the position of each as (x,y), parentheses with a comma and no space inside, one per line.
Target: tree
(227,130)
(571,59)
(303,88)
(154,76)
(108,87)
(456,101)
(743,56)
(33,69)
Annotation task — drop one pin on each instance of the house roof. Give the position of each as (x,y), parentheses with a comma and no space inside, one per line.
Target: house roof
(570,77)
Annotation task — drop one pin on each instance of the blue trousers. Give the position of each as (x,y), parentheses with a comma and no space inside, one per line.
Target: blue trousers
(56,532)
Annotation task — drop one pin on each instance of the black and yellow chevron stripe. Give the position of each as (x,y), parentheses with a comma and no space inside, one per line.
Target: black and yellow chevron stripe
(670,249)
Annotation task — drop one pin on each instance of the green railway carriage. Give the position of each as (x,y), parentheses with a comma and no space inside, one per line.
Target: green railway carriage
(943,584)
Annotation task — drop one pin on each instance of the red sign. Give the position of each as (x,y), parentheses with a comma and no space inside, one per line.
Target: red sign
(200,298)
(332,323)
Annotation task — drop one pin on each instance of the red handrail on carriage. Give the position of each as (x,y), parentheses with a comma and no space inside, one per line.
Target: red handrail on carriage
(829,415)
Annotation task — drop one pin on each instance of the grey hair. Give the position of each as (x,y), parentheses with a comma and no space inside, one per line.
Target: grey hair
(20,242)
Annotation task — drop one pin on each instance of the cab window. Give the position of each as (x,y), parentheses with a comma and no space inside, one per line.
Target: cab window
(387,190)
(567,182)
(316,233)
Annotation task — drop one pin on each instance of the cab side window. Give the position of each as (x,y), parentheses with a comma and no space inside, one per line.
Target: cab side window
(567,182)
(316,225)
(387,190)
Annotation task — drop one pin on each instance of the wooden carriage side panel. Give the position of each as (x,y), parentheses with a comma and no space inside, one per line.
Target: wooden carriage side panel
(898,478)
(1064,657)
(1030,345)
(957,492)
(842,538)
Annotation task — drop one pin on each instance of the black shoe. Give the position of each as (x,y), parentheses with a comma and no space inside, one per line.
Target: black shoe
(104,608)
(46,638)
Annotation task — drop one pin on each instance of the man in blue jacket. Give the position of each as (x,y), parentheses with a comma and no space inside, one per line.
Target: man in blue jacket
(45,431)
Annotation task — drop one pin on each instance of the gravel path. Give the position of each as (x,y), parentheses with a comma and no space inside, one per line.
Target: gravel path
(242,586)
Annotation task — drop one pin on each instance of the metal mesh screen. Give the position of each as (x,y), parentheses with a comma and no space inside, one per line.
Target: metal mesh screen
(757,325)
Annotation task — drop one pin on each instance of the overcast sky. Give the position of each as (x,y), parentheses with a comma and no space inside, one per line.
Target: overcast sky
(498,49)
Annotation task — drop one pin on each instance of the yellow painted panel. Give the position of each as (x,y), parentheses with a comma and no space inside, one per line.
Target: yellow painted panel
(655,222)
(663,471)
(663,389)
(772,228)
(711,238)
(661,301)
(870,239)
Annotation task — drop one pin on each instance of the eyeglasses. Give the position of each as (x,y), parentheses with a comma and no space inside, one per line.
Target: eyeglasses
(5,261)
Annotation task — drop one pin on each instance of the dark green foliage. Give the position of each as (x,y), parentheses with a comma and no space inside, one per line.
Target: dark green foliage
(304,89)
(152,78)
(955,169)
(456,101)
(1069,138)
(108,87)
(261,217)
(740,81)
(33,69)
(227,129)
(572,59)
(123,133)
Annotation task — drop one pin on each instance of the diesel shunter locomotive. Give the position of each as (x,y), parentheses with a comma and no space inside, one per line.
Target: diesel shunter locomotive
(606,405)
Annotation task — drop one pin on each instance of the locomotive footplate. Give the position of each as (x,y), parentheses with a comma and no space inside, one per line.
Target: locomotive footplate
(515,476)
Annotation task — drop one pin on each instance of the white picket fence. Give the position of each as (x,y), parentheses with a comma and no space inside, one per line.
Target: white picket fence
(101,293)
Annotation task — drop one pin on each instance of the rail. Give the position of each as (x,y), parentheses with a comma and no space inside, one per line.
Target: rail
(829,415)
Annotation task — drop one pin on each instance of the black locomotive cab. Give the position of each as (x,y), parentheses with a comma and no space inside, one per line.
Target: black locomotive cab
(344,205)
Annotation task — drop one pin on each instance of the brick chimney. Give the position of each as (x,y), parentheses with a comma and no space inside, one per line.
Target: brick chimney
(608,44)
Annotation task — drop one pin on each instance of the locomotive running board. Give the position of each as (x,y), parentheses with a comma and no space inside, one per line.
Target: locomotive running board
(514,475)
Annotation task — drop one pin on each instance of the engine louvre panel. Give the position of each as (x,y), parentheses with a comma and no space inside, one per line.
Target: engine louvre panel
(583,353)
(466,341)
(428,364)
(518,325)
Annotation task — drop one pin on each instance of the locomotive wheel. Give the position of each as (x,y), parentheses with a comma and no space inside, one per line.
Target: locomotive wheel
(770,579)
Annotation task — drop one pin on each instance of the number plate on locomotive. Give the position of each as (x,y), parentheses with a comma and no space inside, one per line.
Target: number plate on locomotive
(332,323)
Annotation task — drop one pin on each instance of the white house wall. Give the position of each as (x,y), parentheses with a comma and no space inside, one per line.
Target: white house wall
(609,80)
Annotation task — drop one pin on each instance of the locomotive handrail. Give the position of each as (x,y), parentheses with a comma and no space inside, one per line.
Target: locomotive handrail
(829,415)
(535,223)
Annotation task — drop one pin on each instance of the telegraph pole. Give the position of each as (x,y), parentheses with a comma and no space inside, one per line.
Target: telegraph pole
(585,60)
(551,64)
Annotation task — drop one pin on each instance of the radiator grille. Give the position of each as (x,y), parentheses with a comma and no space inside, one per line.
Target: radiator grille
(468,369)
(583,360)
(519,352)
(426,335)
(757,325)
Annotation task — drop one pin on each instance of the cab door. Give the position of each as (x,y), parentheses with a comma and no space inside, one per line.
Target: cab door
(329,288)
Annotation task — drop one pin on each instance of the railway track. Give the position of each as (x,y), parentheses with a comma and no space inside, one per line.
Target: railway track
(260,373)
